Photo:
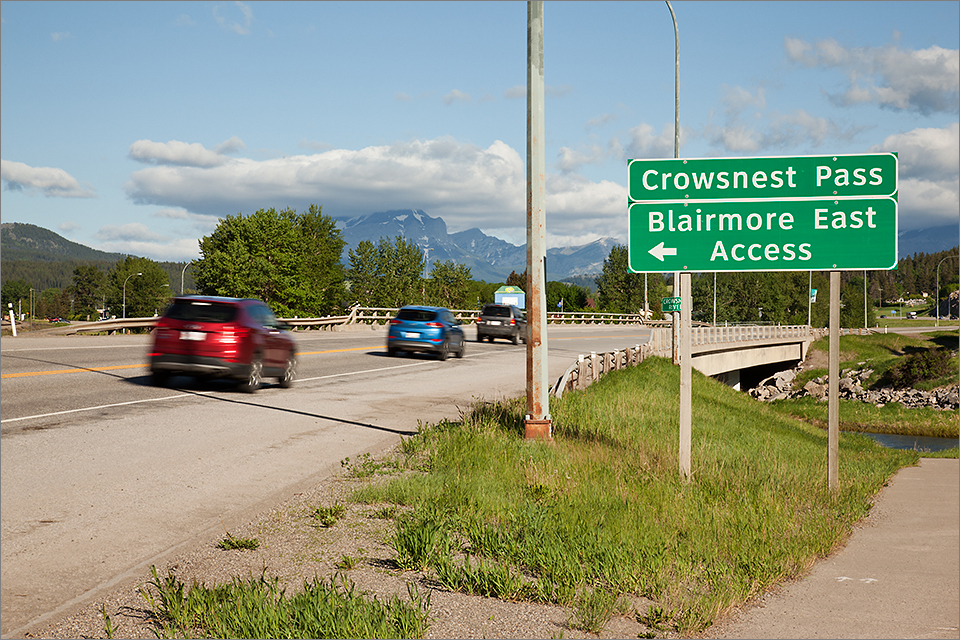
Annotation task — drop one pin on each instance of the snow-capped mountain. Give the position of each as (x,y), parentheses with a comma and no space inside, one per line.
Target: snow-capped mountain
(489,258)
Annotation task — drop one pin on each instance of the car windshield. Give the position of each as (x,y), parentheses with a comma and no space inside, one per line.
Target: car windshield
(496,311)
(416,315)
(201,311)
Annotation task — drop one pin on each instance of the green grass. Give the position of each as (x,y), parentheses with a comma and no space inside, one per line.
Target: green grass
(604,511)
(860,416)
(259,608)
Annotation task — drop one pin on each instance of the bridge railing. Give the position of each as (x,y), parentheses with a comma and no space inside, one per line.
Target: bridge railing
(589,368)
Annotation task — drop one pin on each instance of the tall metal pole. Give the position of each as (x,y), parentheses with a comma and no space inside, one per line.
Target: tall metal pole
(125,292)
(676,154)
(537,421)
(809,296)
(833,390)
(936,302)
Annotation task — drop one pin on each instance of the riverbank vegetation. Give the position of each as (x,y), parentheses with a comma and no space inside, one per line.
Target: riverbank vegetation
(926,362)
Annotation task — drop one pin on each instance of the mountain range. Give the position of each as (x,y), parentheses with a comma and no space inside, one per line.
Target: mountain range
(489,258)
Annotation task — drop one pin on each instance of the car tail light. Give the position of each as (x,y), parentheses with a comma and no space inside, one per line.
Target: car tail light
(513,321)
(435,325)
(232,334)
(395,321)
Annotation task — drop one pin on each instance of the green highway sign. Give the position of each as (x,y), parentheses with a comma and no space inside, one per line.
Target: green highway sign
(763,235)
(763,178)
(670,305)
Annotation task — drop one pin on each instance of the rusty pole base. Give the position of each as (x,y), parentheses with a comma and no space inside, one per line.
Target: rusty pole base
(537,429)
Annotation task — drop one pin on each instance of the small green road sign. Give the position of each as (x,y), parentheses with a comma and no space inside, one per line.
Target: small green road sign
(762,178)
(670,305)
(763,235)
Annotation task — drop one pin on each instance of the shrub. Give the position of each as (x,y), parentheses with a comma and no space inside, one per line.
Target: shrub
(929,364)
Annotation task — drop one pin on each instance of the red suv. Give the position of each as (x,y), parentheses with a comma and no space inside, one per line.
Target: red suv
(222,337)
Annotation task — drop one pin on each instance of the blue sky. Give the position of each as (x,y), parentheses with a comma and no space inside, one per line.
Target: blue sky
(134,126)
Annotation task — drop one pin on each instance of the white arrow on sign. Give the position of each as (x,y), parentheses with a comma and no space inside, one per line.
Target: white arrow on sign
(659,251)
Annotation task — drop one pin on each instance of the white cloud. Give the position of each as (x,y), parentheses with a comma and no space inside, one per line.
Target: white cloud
(51,181)
(62,35)
(645,142)
(233,25)
(570,161)
(466,185)
(400,96)
(182,153)
(556,91)
(456,96)
(926,80)
(183,20)
(517,91)
(929,175)
(68,227)
(130,232)
(232,145)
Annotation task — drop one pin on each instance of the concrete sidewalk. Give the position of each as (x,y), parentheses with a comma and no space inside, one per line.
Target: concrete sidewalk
(896,578)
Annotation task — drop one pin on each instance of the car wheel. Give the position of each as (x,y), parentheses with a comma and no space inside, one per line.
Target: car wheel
(444,350)
(515,338)
(160,378)
(392,352)
(463,347)
(254,375)
(289,372)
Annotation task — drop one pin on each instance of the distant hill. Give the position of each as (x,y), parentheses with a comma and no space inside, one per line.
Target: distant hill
(47,260)
(929,240)
(21,241)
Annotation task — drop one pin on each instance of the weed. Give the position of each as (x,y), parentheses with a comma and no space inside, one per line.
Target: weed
(327,516)
(366,466)
(238,543)
(593,609)
(348,562)
(108,629)
(656,618)
(385,513)
(419,539)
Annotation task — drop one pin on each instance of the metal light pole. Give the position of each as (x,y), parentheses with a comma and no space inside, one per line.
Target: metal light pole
(937,301)
(183,271)
(132,275)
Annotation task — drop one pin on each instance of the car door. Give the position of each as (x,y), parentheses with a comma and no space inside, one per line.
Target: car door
(275,346)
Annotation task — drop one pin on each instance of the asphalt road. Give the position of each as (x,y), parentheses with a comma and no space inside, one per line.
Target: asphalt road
(104,474)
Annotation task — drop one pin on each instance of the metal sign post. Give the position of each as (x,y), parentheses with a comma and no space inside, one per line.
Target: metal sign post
(833,392)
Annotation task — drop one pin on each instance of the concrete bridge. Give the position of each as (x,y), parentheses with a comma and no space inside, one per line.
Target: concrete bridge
(722,352)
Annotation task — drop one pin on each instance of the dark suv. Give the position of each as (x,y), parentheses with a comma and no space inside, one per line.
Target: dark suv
(222,337)
(501,321)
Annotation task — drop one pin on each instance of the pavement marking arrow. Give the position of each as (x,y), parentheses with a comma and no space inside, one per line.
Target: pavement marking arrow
(659,251)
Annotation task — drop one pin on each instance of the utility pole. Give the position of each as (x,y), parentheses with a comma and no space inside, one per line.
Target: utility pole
(537,421)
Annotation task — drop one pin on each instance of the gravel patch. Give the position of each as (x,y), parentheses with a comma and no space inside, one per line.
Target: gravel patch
(294,549)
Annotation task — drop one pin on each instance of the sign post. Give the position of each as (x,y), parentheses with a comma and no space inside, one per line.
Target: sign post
(777,213)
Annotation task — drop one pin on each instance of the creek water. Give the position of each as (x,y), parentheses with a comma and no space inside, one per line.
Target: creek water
(920,443)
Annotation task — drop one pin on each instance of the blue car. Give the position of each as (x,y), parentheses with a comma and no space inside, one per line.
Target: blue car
(426,329)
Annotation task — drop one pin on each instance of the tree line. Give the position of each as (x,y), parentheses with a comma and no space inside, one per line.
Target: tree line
(292,261)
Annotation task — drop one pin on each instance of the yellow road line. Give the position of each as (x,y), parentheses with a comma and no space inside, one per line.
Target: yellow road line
(134,366)
(50,373)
